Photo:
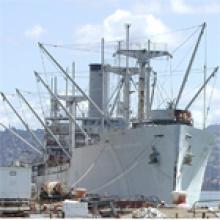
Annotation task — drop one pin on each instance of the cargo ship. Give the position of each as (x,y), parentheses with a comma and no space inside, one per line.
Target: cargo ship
(159,152)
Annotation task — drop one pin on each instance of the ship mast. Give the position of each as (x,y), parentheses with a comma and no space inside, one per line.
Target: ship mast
(153,89)
(72,119)
(73,111)
(104,83)
(118,101)
(126,91)
(70,79)
(143,57)
(147,87)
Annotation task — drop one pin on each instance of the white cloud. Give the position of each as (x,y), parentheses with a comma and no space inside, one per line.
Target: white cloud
(35,32)
(179,6)
(150,6)
(212,7)
(183,7)
(143,26)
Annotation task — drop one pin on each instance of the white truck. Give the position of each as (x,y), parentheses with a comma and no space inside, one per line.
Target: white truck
(15,190)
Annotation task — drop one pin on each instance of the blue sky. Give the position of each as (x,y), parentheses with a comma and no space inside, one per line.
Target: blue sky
(25,22)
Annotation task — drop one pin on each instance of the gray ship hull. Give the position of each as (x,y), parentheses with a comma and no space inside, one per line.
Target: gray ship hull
(120,163)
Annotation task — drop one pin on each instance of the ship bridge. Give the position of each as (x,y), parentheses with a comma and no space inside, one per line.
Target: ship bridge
(167,116)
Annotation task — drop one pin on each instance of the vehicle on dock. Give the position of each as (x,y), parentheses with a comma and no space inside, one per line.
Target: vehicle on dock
(15,190)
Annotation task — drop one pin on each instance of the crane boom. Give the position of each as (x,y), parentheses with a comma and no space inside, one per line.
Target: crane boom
(43,124)
(201,88)
(22,139)
(21,119)
(71,80)
(190,65)
(61,105)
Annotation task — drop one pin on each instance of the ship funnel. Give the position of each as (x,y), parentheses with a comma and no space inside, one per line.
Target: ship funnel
(97,92)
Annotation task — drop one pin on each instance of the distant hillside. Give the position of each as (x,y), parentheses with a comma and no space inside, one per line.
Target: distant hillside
(13,149)
(212,174)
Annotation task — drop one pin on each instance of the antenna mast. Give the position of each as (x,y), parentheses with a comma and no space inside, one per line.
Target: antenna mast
(126,95)
(143,56)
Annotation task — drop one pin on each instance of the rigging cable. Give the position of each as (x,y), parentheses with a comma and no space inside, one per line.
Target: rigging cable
(115,91)
(185,41)
(38,86)
(22,111)
(163,89)
(171,81)
(87,44)
(185,55)
(24,116)
(43,64)
(159,91)
(205,76)
(210,97)
(174,31)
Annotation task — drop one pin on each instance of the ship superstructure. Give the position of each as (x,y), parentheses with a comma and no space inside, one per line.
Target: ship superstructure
(155,153)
